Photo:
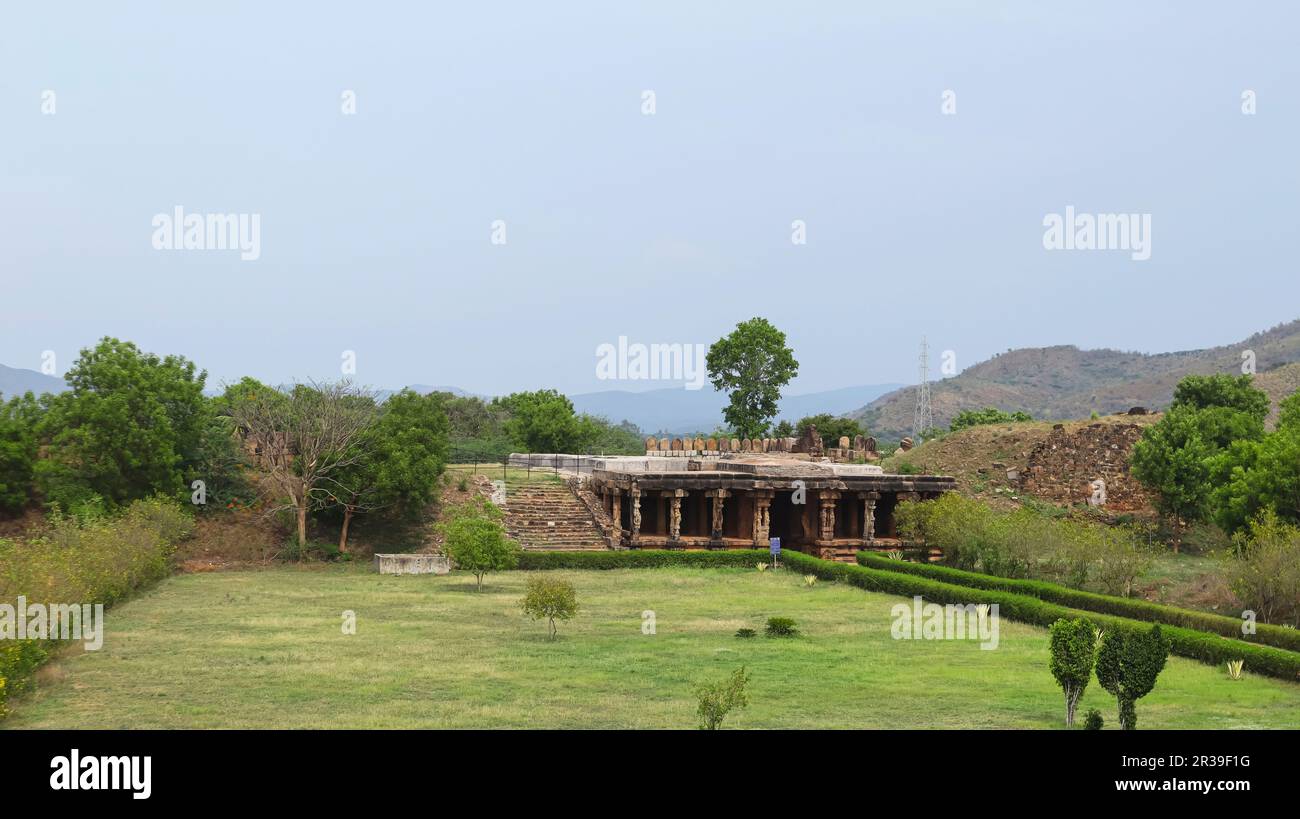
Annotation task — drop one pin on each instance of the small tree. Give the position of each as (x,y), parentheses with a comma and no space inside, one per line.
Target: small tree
(477,543)
(550,598)
(718,699)
(1073,652)
(1127,667)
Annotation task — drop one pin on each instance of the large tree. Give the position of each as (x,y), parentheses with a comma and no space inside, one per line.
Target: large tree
(130,426)
(402,454)
(752,364)
(830,428)
(306,440)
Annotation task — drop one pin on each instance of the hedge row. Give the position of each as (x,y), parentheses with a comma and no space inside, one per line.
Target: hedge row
(1185,642)
(1090,601)
(643,559)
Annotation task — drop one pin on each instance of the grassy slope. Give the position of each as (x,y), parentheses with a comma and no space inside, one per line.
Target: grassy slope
(264,649)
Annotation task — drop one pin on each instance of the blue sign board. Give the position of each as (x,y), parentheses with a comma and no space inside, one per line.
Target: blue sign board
(775,547)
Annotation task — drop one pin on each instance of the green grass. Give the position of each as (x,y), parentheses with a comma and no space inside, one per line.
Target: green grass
(264,649)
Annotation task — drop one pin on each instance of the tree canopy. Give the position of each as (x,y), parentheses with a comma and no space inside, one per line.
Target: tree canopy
(752,364)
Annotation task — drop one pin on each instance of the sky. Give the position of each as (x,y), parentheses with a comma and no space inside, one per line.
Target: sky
(919,146)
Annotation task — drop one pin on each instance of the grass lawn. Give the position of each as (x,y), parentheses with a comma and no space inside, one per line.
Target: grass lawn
(264,649)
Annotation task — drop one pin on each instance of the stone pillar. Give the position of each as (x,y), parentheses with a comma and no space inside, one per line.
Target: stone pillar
(826,508)
(635,494)
(617,515)
(715,527)
(869,515)
(675,514)
(762,517)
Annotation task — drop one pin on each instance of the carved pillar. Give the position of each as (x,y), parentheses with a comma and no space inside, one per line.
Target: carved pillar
(826,508)
(869,515)
(675,514)
(715,526)
(636,516)
(762,517)
(617,514)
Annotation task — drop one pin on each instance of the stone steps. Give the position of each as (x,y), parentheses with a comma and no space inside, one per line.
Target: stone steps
(549,517)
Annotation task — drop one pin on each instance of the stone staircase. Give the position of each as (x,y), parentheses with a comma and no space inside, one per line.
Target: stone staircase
(549,517)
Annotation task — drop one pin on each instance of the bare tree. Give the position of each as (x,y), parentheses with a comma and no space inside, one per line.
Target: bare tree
(305,439)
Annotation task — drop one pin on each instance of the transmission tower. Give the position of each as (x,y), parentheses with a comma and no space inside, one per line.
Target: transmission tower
(923,417)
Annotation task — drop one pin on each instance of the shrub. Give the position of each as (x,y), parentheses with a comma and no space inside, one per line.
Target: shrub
(719,699)
(1234,669)
(96,561)
(745,633)
(550,598)
(1072,651)
(810,580)
(1263,569)
(781,627)
(1092,721)
(1127,666)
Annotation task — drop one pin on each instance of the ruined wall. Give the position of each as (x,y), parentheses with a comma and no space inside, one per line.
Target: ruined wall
(1062,468)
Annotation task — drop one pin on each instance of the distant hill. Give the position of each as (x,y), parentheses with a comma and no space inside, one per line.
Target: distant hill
(678,411)
(1062,383)
(14,381)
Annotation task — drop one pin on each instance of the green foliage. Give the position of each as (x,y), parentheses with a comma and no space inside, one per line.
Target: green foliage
(1092,721)
(719,699)
(1198,645)
(988,415)
(131,426)
(101,561)
(784,429)
(1208,434)
(781,627)
(549,598)
(1251,477)
(1263,569)
(19,419)
(1285,638)
(1128,664)
(746,633)
(752,364)
(830,428)
(1026,543)
(544,421)
(1072,646)
(477,543)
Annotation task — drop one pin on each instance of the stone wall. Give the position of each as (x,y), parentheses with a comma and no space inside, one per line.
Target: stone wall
(1066,468)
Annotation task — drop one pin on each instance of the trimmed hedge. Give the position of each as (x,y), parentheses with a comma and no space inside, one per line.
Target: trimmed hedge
(1185,642)
(643,559)
(1276,636)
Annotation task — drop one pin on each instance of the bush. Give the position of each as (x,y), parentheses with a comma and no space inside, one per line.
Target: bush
(1263,569)
(719,699)
(476,541)
(96,561)
(549,598)
(745,633)
(1089,601)
(781,627)
(1092,721)
(1185,642)
(1128,664)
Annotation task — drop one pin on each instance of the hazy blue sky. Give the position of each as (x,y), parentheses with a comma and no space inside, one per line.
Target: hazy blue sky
(375,228)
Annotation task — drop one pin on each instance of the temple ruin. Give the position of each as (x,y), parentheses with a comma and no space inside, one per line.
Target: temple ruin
(669,499)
